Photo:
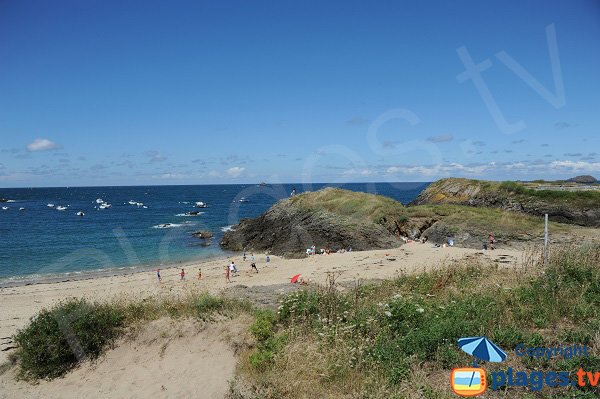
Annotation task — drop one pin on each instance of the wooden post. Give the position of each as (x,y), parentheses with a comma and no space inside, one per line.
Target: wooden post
(545,238)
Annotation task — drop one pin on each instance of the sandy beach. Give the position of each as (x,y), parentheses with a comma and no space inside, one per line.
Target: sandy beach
(19,304)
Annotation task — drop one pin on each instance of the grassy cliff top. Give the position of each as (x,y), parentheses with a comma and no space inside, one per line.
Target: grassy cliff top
(460,190)
(358,206)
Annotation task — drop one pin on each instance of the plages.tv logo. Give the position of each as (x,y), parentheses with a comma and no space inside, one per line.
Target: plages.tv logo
(472,381)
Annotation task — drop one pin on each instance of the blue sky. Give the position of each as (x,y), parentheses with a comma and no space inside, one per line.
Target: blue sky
(177,92)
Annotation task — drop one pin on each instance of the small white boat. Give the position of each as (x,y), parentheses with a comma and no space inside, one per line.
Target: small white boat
(50,205)
(145,207)
(99,201)
(105,206)
(5,208)
(243,199)
(80,213)
(61,208)
(132,202)
(201,204)
(21,209)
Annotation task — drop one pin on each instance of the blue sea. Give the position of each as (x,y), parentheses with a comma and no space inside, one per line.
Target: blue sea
(41,243)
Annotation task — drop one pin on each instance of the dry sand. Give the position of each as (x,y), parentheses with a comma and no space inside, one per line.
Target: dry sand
(193,364)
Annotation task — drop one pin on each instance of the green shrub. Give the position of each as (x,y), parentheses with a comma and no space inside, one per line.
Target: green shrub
(262,358)
(263,327)
(57,339)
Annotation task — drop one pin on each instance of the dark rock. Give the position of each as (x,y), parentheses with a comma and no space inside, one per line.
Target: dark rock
(287,229)
(203,234)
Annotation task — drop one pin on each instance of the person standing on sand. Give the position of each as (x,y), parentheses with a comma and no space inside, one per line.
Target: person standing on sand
(182,274)
(199,274)
(492,240)
(252,258)
(268,258)
(158,275)
(253,267)
(227,275)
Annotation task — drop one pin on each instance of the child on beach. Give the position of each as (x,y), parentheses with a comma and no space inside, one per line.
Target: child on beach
(232,267)
(227,274)
(253,266)
(158,275)
(182,274)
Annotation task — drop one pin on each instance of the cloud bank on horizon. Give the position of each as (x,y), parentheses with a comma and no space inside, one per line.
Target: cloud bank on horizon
(297,92)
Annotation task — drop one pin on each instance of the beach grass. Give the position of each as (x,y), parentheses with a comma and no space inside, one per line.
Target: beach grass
(398,338)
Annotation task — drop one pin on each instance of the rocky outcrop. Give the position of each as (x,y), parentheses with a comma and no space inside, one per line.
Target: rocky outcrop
(581,208)
(203,234)
(291,226)
(583,179)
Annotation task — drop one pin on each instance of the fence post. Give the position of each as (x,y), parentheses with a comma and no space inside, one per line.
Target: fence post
(545,238)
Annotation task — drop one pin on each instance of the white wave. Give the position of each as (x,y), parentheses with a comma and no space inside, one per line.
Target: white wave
(167,225)
(189,215)
(227,228)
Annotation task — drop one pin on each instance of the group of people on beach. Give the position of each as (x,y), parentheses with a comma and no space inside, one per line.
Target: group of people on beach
(181,274)
(230,270)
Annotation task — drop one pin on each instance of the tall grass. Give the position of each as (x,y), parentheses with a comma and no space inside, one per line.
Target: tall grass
(369,341)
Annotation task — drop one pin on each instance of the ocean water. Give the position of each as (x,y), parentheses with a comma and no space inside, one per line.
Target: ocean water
(41,242)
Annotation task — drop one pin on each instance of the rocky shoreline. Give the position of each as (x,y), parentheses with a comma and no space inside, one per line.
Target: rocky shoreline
(580,208)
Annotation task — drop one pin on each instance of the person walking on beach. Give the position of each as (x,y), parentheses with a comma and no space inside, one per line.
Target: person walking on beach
(253,267)
(158,275)
(199,274)
(252,258)
(227,274)
(182,274)
(244,256)
(268,258)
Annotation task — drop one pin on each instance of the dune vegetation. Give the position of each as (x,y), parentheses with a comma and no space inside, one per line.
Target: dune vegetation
(398,339)
(391,339)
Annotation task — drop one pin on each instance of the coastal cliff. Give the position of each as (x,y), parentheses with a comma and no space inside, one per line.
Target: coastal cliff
(338,219)
(329,218)
(562,203)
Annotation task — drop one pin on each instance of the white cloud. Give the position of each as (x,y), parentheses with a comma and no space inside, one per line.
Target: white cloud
(214,173)
(42,145)
(155,156)
(235,171)
(169,176)
(492,167)
(444,138)
(576,165)
(359,172)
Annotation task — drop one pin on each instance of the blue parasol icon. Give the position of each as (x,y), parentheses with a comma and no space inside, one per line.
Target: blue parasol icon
(482,348)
